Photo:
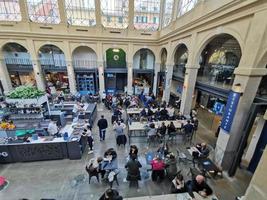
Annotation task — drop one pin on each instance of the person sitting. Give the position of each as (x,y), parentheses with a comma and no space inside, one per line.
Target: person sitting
(133,175)
(111,194)
(94,167)
(164,114)
(158,167)
(152,133)
(171,166)
(162,131)
(150,113)
(199,185)
(133,151)
(143,113)
(171,129)
(203,150)
(157,114)
(180,116)
(163,150)
(110,155)
(178,185)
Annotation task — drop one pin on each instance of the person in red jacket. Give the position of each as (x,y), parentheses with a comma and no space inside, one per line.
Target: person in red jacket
(158,167)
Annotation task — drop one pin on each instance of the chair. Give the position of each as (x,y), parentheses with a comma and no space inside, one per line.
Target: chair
(181,157)
(92,173)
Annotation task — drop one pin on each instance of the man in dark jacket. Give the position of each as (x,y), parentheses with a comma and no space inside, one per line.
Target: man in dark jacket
(133,175)
(111,194)
(102,125)
(198,185)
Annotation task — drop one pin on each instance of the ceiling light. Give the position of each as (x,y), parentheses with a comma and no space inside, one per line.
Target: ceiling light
(116,50)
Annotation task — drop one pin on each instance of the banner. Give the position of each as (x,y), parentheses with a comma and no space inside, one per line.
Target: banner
(230,110)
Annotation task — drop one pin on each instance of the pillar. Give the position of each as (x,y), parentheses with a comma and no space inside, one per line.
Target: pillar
(131,16)
(62,12)
(101,78)
(257,189)
(38,74)
(188,89)
(168,80)
(155,83)
(24,11)
(162,8)
(71,77)
(130,78)
(175,10)
(98,13)
(4,76)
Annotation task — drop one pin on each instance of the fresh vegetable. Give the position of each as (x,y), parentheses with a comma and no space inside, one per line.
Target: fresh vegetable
(25,92)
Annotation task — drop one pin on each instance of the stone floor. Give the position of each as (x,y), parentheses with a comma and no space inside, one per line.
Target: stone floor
(67,179)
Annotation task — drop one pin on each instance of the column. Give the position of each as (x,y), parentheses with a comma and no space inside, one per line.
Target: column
(131,15)
(101,77)
(38,74)
(155,83)
(188,89)
(62,12)
(5,78)
(71,77)
(227,143)
(98,13)
(168,80)
(130,78)
(257,189)
(24,11)
(162,6)
(175,10)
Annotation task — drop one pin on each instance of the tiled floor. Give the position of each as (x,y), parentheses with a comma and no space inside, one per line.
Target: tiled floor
(67,179)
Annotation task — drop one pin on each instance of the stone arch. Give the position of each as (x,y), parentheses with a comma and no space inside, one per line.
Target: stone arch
(76,46)
(58,45)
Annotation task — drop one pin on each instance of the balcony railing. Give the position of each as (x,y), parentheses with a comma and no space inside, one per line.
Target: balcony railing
(53,63)
(18,64)
(84,64)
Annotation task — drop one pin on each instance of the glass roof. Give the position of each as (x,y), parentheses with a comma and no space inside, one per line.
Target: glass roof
(149,15)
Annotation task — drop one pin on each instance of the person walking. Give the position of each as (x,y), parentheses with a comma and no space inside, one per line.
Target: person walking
(120,136)
(102,125)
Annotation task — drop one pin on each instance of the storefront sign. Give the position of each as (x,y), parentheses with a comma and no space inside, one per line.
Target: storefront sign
(230,110)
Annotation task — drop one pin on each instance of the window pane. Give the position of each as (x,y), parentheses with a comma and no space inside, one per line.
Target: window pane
(10,10)
(80,12)
(185,6)
(167,14)
(44,11)
(115,13)
(150,9)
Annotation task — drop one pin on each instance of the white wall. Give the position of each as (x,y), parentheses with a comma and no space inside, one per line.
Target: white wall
(84,53)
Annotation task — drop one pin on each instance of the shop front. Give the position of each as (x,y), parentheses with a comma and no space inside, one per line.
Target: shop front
(115,71)
(143,81)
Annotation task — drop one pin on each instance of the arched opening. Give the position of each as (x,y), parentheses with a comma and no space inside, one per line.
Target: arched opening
(143,70)
(19,65)
(85,66)
(52,60)
(218,61)
(115,71)
(180,60)
(161,73)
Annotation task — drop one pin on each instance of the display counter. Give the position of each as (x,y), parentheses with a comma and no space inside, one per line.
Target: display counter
(44,148)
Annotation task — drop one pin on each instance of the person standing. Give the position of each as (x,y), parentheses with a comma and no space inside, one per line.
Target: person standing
(120,136)
(133,175)
(102,125)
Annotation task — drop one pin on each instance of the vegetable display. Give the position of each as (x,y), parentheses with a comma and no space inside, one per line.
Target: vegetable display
(25,92)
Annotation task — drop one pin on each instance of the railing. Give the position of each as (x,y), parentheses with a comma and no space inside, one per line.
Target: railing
(84,64)
(53,63)
(18,61)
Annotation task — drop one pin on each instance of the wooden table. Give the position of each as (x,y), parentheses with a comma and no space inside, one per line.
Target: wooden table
(138,129)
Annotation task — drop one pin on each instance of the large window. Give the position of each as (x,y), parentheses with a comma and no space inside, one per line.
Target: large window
(9,10)
(185,6)
(80,12)
(167,14)
(44,11)
(148,9)
(115,13)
